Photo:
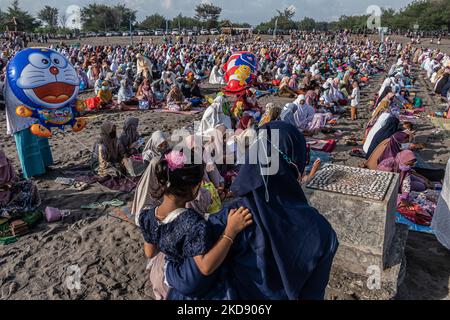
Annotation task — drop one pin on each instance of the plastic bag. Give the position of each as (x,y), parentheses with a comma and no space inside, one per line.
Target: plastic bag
(216,203)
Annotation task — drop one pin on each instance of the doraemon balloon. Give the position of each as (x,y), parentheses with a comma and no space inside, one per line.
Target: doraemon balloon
(47,86)
(240,72)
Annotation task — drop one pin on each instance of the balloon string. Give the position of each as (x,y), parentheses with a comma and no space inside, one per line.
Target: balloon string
(95,155)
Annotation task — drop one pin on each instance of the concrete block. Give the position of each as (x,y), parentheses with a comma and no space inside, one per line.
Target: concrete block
(366,228)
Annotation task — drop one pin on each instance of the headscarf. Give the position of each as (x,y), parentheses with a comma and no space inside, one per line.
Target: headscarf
(289,238)
(175,94)
(243,123)
(389,128)
(214,115)
(145,87)
(441,217)
(6,169)
(402,158)
(311,98)
(272,113)
(148,191)
(394,146)
(287,113)
(7,175)
(151,149)
(284,82)
(398,164)
(130,134)
(300,97)
(112,152)
(304,114)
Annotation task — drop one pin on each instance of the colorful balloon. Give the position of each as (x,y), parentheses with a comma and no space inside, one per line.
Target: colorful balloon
(47,85)
(240,72)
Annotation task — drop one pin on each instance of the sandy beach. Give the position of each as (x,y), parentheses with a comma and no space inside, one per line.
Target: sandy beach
(109,252)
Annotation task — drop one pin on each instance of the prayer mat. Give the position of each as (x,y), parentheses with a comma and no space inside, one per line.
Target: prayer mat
(412,226)
(322,145)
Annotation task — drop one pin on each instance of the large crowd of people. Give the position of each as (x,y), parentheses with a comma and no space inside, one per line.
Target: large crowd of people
(243,250)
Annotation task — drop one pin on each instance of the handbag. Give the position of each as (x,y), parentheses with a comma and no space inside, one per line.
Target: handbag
(54,214)
(216,203)
(143,105)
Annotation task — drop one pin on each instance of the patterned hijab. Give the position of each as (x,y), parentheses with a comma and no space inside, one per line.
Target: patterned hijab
(130,133)
(6,176)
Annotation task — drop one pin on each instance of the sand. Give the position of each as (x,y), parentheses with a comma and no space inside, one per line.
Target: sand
(109,252)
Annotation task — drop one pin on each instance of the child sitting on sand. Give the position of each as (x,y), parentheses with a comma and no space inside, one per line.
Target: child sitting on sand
(182,233)
(105,95)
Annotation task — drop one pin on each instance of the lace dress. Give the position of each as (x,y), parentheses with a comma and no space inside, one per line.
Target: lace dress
(183,234)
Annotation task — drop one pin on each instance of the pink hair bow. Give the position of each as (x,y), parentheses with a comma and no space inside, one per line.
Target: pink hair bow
(175,160)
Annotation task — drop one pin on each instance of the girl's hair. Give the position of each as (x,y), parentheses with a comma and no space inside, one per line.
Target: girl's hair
(179,182)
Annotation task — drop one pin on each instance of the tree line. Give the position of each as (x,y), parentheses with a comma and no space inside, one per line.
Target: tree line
(429,15)
(102,17)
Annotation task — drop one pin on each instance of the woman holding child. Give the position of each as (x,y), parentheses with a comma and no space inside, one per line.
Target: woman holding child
(267,244)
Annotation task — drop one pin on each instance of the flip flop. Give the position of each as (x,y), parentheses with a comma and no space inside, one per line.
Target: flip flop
(357,153)
(81,186)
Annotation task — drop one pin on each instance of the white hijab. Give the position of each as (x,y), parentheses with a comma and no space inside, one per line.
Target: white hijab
(151,147)
(441,217)
(215,77)
(214,116)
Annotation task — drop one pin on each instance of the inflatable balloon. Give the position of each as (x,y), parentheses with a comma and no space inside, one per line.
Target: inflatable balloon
(240,72)
(46,85)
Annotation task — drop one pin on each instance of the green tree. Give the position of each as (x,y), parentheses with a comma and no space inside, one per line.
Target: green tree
(101,17)
(283,21)
(242,25)
(350,22)
(95,17)
(208,13)
(322,26)
(184,22)
(25,21)
(430,15)
(122,16)
(307,24)
(2,20)
(50,16)
(155,21)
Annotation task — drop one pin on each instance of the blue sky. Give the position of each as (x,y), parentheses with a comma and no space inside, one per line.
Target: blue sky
(252,11)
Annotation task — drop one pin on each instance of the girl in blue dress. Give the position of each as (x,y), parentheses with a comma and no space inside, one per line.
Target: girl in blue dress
(182,233)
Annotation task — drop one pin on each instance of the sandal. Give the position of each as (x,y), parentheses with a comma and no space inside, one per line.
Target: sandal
(357,153)
(351,142)
(81,186)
